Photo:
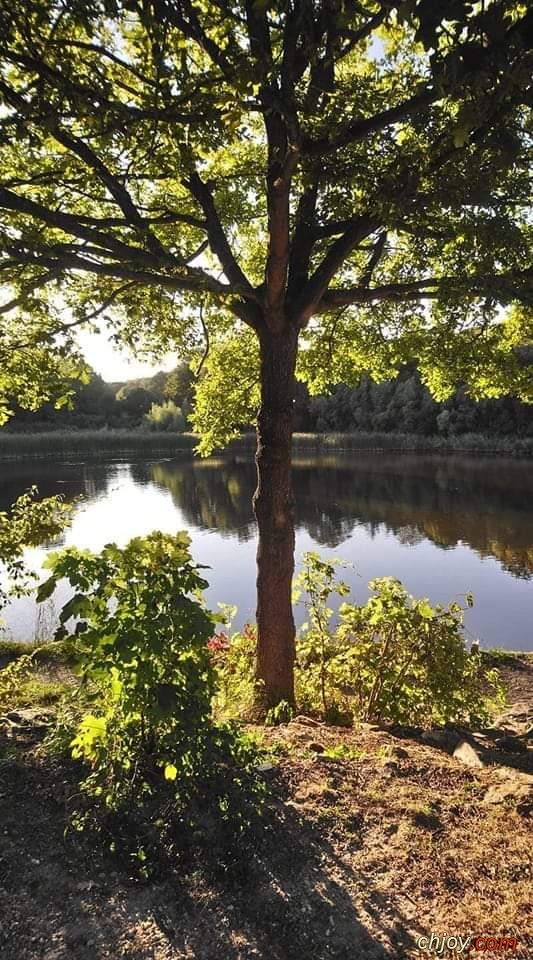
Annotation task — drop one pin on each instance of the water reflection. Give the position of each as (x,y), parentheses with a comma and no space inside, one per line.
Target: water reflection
(484,503)
(211,494)
(390,514)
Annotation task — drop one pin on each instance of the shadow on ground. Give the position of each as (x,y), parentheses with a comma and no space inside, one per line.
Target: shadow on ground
(283,895)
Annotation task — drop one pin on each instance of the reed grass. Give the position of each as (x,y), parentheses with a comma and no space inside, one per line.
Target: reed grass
(99,444)
(91,444)
(415,443)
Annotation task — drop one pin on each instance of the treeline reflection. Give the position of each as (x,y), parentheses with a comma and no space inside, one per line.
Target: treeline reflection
(484,503)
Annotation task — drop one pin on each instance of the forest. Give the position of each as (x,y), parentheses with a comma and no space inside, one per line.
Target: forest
(401,405)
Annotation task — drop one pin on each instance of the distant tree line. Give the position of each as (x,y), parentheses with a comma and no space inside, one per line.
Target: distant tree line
(160,402)
(403,405)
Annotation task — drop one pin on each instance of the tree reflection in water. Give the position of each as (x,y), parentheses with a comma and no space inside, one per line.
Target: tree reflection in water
(483,503)
(369,508)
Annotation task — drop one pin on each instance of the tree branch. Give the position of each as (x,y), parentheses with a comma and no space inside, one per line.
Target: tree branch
(171,13)
(192,279)
(207,347)
(375,257)
(70,224)
(339,250)
(123,110)
(85,153)
(60,259)
(356,36)
(78,322)
(517,282)
(36,284)
(360,128)
(217,237)
(304,236)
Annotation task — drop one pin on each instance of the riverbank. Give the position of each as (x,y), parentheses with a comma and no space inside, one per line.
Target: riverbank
(372,838)
(92,444)
(101,444)
(470,443)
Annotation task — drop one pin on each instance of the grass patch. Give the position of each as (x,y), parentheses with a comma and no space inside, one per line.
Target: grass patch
(52,652)
(41,692)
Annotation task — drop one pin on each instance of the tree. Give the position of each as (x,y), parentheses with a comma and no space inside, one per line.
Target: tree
(165,416)
(135,400)
(350,177)
(178,384)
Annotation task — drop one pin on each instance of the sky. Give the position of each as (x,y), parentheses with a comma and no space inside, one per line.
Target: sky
(113,363)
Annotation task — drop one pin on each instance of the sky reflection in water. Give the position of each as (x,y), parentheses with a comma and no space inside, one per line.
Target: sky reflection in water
(443,525)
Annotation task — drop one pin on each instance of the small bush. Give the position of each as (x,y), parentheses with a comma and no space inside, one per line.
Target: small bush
(13,677)
(394,658)
(141,638)
(166,416)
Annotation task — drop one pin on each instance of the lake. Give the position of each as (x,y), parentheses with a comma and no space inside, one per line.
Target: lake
(444,525)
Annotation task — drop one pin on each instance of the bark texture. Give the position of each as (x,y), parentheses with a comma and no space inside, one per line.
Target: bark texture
(274,511)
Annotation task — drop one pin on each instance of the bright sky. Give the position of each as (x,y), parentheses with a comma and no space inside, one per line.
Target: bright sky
(113,363)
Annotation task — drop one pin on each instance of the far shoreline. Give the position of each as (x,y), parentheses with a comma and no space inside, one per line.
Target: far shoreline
(105,443)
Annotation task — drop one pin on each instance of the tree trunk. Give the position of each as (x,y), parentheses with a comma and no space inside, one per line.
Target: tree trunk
(274,510)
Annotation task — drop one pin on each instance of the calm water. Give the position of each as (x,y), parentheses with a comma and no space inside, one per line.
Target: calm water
(443,525)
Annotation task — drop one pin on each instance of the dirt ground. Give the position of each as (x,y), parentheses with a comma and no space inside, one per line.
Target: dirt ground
(374,837)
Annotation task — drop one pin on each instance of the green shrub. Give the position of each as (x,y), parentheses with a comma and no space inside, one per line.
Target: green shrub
(166,416)
(395,658)
(29,523)
(141,643)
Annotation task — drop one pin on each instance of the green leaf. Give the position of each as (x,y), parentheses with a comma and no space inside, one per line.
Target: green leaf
(425,610)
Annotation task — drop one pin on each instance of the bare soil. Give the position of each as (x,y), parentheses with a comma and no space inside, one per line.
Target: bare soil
(373,837)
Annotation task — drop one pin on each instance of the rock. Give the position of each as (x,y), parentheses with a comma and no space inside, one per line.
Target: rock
(296,734)
(513,785)
(403,731)
(85,886)
(517,776)
(316,747)
(29,716)
(500,792)
(516,715)
(310,792)
(305,721)
(77,933)
(510,745)
(443,738)
(465,753)
(400,753)
(381,726)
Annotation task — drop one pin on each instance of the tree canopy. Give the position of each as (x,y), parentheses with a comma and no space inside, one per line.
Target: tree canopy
(178,166)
